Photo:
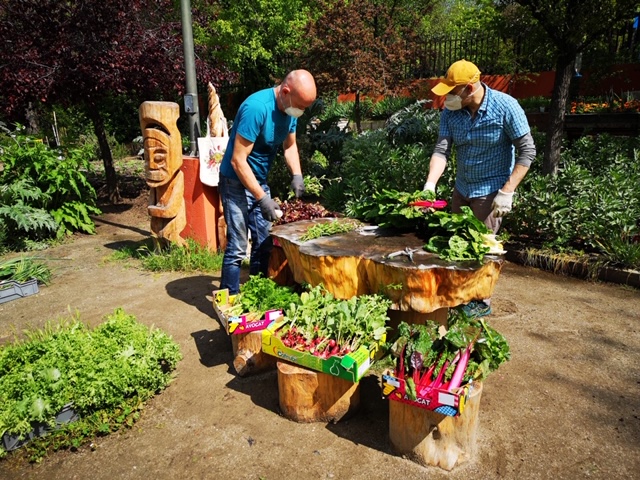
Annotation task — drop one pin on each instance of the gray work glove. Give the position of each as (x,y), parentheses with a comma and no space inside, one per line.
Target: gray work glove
(269,208)
(297,185)
(502,203)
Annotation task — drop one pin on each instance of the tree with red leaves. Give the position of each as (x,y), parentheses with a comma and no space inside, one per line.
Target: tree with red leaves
(83,53)
(362,46)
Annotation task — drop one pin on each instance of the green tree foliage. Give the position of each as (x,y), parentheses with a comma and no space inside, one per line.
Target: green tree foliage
(85,54)
(258,37)
(571,26)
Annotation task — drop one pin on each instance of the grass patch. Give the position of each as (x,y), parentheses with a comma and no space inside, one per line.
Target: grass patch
(24,268)
(193,257)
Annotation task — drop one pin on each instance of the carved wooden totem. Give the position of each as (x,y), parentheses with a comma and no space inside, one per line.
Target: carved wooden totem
(163,159)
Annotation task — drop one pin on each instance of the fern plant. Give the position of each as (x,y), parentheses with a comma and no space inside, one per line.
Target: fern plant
(22,216)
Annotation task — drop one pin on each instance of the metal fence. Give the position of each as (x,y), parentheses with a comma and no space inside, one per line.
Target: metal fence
(497,55)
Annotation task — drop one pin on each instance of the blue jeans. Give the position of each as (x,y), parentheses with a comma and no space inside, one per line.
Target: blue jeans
(243,215)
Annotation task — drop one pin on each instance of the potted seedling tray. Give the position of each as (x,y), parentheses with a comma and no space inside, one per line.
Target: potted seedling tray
(11,290)
(66,415)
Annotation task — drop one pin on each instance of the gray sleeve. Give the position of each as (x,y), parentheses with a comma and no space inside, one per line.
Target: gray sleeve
(443,147)
(525,150)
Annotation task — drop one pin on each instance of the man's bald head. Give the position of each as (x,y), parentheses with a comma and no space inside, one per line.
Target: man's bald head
(302,86)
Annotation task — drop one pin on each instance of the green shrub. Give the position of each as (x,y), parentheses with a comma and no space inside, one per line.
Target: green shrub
(60,174)
(591,205)
(22,216)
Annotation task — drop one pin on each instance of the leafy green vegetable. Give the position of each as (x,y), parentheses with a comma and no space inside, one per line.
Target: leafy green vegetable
(259,294)
(320,321)
(457,236)
(328,228)
(391,208)
(418,351)
(67,363)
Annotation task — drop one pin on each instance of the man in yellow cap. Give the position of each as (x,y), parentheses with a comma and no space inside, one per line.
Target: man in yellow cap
(487,127)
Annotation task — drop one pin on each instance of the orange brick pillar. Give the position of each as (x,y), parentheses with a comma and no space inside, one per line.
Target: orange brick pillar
(202,205)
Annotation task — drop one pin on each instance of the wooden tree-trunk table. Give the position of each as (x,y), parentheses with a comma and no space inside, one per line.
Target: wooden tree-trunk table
(352,263)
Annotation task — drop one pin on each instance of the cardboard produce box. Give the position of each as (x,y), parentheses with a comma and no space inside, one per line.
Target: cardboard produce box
(245,323)
(352,366)
(436,399)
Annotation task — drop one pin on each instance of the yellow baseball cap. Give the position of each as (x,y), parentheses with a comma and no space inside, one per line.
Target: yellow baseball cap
(461,72)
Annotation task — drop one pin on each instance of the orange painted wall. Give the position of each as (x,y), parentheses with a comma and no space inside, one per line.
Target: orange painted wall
(623,78)
(202,204)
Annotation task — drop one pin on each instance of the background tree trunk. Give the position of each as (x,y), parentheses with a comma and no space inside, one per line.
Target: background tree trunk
(555,131)
(357,114)
(105,152)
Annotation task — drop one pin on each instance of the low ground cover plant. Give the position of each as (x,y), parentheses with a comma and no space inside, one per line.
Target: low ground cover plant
(105,374)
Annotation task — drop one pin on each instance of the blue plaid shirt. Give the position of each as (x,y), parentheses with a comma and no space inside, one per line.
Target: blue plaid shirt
(485,155)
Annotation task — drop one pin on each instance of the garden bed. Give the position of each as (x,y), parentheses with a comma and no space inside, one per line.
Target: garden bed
(586,267)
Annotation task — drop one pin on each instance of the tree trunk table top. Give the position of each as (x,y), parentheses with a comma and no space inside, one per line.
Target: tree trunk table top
(393,263)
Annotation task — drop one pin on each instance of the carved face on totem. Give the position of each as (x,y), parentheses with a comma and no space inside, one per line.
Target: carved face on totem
(162,143)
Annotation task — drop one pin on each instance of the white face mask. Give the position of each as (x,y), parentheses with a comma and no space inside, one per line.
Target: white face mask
(292,111)
(453,102)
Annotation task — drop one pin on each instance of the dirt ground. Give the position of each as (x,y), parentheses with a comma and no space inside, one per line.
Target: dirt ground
(566,406)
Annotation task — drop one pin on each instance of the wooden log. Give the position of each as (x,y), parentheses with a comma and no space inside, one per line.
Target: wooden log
(432,439)
(351,264)
(278,269)
(248,355)
(308,396)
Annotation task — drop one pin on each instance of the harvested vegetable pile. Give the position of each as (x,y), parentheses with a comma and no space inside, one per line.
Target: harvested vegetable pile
(329,228)
(430,356)
(452,236)
(457,236)
(296,210)
(325,326)
(391,208)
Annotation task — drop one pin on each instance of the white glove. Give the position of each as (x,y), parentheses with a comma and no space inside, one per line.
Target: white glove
(429,187)
(502,203)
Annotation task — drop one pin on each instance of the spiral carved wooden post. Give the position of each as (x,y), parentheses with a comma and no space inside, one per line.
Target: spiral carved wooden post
(218,128)
(163,159)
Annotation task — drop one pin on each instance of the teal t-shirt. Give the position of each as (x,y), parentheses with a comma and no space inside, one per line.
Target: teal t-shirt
(260,121)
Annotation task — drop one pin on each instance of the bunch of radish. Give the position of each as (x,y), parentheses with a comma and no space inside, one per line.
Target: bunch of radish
(326,326)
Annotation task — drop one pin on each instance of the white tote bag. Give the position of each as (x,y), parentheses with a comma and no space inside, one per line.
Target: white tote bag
(211,151)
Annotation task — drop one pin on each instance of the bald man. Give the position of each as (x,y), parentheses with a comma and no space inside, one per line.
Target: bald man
(265,120)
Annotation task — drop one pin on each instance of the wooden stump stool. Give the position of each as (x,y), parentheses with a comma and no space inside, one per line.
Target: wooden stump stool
(430,438)
(308,396)
(248,355)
